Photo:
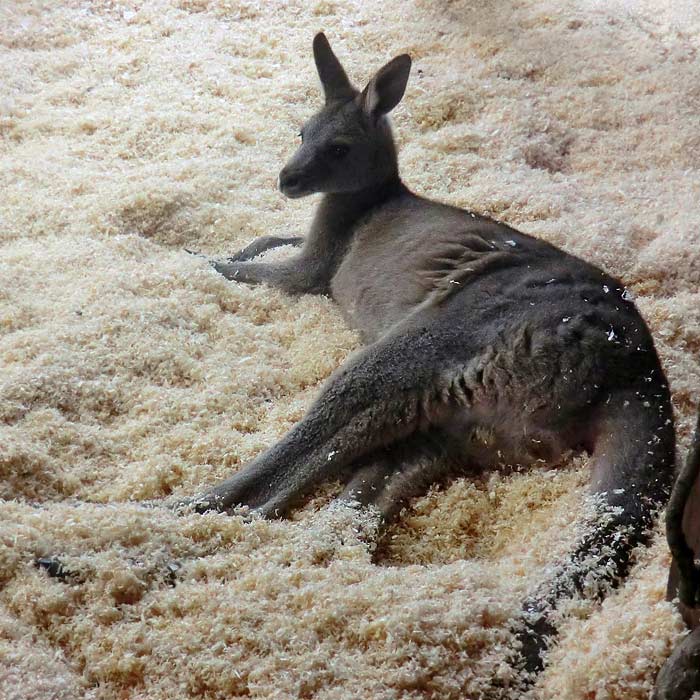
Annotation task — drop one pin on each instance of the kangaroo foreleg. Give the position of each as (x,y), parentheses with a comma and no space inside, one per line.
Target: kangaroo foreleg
(295,276)
(263,244)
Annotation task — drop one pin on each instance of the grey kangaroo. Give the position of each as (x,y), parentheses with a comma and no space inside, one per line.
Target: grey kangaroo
(483,347)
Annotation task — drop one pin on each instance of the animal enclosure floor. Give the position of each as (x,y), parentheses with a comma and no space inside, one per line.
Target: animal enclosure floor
(130,371)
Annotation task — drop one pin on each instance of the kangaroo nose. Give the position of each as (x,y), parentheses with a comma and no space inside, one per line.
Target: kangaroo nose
(292,183)
(288,180)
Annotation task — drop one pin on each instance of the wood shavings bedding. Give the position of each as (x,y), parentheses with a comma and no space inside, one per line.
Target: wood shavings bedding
(130,371)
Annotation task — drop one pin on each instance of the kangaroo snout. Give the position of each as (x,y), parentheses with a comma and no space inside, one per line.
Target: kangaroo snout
(292,183)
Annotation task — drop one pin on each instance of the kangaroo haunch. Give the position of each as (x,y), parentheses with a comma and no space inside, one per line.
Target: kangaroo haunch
(484,346)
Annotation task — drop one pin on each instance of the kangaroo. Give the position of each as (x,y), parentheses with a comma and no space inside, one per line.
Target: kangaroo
(483,347)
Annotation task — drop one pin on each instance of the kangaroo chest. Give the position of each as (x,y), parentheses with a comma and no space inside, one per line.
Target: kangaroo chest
(375,285)
(409,256)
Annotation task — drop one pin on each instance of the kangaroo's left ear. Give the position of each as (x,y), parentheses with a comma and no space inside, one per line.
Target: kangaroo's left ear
(387,87)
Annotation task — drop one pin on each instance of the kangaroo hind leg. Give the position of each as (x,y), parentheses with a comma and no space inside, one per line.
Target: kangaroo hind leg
(386,393)
(395,475)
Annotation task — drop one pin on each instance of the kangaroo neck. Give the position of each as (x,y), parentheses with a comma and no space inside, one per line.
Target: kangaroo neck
(334,224)
(338,212)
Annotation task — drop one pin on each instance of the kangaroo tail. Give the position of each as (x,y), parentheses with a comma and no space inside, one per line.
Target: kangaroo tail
(632,475)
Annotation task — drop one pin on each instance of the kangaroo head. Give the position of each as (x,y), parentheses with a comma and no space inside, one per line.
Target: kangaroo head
(347,146)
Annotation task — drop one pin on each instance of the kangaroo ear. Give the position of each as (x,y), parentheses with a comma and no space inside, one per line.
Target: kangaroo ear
(333,78)
(386,89)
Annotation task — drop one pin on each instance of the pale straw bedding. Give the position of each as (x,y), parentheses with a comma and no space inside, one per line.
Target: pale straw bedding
(131,371)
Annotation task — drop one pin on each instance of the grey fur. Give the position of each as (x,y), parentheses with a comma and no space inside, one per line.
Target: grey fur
(483,346)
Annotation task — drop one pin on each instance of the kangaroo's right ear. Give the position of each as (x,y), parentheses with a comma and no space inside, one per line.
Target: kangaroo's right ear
(333,78)
(387,87)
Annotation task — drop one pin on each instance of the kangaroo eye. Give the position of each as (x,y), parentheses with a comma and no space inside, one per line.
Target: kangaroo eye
(338,151)
(301,136)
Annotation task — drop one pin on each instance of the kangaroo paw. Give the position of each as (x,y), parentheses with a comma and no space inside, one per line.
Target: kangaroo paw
(195,253)
(200,505)
(230,270)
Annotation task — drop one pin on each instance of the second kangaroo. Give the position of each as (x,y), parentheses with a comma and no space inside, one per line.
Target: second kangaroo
(483,346)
